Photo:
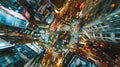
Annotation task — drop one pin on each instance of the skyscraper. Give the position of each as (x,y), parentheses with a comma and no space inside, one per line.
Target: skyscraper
(104,23)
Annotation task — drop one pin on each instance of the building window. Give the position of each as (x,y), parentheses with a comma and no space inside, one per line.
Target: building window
(100,28)
(105,27)
(90,27)
(104,38)
(98,25)
(98,38)
(103,24)
(109,40)
(98,34)
(118,40)
(117,34)
(116,26)
(93,27)
(103,35)
(108,35)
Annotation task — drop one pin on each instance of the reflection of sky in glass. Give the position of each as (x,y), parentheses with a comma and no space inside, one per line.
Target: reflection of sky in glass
(4,44)
(83,62)
(79,61)
(34,47)
(15,14)
(73,64)
(93,65)
(50,19)
(9,20)
(12,1)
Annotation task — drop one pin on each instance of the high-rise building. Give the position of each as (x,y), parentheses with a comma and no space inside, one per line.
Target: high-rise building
(19,55)
(73,60)
(104,23)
